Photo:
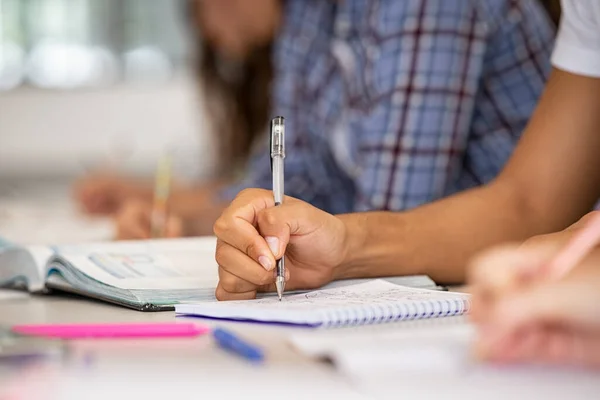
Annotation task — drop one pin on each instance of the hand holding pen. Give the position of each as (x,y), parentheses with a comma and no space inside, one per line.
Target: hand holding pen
(277,171)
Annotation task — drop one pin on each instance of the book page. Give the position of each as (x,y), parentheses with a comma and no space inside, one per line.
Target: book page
(153,264)
(24,265)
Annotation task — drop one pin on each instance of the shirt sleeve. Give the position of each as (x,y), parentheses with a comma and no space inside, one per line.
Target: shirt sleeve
(578,42)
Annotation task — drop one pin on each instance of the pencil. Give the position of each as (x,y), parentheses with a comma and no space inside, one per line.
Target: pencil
(576,250)
(162,189)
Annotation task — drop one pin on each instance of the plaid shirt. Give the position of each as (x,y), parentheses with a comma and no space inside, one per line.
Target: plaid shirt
(393,104)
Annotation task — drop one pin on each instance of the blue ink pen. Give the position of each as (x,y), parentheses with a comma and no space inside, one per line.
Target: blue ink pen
(230,342)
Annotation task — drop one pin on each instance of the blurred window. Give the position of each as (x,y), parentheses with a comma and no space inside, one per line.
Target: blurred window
(67,44)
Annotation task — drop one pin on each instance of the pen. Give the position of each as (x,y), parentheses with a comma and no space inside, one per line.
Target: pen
(83,331)
(575,250)
(277,157)
(162,188)
(231,342)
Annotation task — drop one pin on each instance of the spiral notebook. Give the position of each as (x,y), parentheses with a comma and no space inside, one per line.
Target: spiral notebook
(373,302)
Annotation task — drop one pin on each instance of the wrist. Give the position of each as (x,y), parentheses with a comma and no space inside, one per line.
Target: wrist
(354,240)
(373,246)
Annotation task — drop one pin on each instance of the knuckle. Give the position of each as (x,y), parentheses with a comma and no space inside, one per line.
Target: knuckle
(221,226)
(228,283)
(220,293)
(267,218)
(251,247)
(221,253)
(246,192)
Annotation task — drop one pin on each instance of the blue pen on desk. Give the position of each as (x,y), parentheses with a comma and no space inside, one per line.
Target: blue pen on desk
(231,342)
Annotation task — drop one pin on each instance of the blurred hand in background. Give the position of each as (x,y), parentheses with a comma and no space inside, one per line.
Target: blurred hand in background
(105,194)
(523,317)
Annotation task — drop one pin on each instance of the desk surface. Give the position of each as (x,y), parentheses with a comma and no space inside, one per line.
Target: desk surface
(153,369)
(186,365)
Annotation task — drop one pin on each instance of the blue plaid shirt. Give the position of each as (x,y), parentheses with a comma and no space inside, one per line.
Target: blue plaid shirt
(393,104)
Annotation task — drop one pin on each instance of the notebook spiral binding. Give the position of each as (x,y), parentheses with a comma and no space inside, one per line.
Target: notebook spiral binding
(387,313)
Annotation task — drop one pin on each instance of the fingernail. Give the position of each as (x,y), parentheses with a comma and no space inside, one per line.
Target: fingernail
(265,262)
(273,243)
(287,275)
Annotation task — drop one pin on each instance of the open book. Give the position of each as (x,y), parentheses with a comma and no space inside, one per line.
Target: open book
(373,302)
(151,275)
(145,275)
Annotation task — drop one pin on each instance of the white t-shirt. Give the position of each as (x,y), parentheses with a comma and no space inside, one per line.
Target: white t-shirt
(577,48)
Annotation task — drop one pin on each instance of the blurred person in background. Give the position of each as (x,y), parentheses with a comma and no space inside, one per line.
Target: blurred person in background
(389,105)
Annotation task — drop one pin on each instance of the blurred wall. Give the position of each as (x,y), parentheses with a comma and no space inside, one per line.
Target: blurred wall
(84,82)
(58,133)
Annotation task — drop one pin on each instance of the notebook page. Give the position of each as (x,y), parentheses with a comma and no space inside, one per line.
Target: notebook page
(314,308)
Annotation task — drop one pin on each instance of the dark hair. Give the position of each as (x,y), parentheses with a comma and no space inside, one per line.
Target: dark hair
(237,98)
(238,105)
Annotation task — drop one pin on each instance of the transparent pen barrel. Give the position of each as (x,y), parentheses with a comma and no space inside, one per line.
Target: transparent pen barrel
(278,180)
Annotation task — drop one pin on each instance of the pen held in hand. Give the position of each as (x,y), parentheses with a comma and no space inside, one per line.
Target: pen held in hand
(277,148)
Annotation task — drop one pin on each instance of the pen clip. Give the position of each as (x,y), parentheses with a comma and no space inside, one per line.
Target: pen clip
(277,139)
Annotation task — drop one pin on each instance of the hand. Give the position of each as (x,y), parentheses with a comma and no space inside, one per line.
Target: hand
(522,318)
(133,222)
(252,233)
(105,194)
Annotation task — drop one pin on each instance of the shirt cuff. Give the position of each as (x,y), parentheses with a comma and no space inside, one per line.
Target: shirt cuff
(576,60)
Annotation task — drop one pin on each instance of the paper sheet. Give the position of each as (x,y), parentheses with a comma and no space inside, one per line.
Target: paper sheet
(309,308)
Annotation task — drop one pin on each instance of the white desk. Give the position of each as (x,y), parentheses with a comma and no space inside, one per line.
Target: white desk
(156,369)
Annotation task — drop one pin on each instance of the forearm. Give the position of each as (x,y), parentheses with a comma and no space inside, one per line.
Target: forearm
(439,238)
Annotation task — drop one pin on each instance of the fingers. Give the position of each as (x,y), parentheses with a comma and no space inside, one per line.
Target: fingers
(238,264)
(236,226)
(223,295)
(568,303)
(97,194)
(549,323)
(544,344)
(502,270)
(133,221)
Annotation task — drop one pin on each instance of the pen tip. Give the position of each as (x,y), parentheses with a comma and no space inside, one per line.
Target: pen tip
(279,287)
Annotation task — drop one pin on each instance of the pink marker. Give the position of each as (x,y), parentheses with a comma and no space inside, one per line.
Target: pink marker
(107,331)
